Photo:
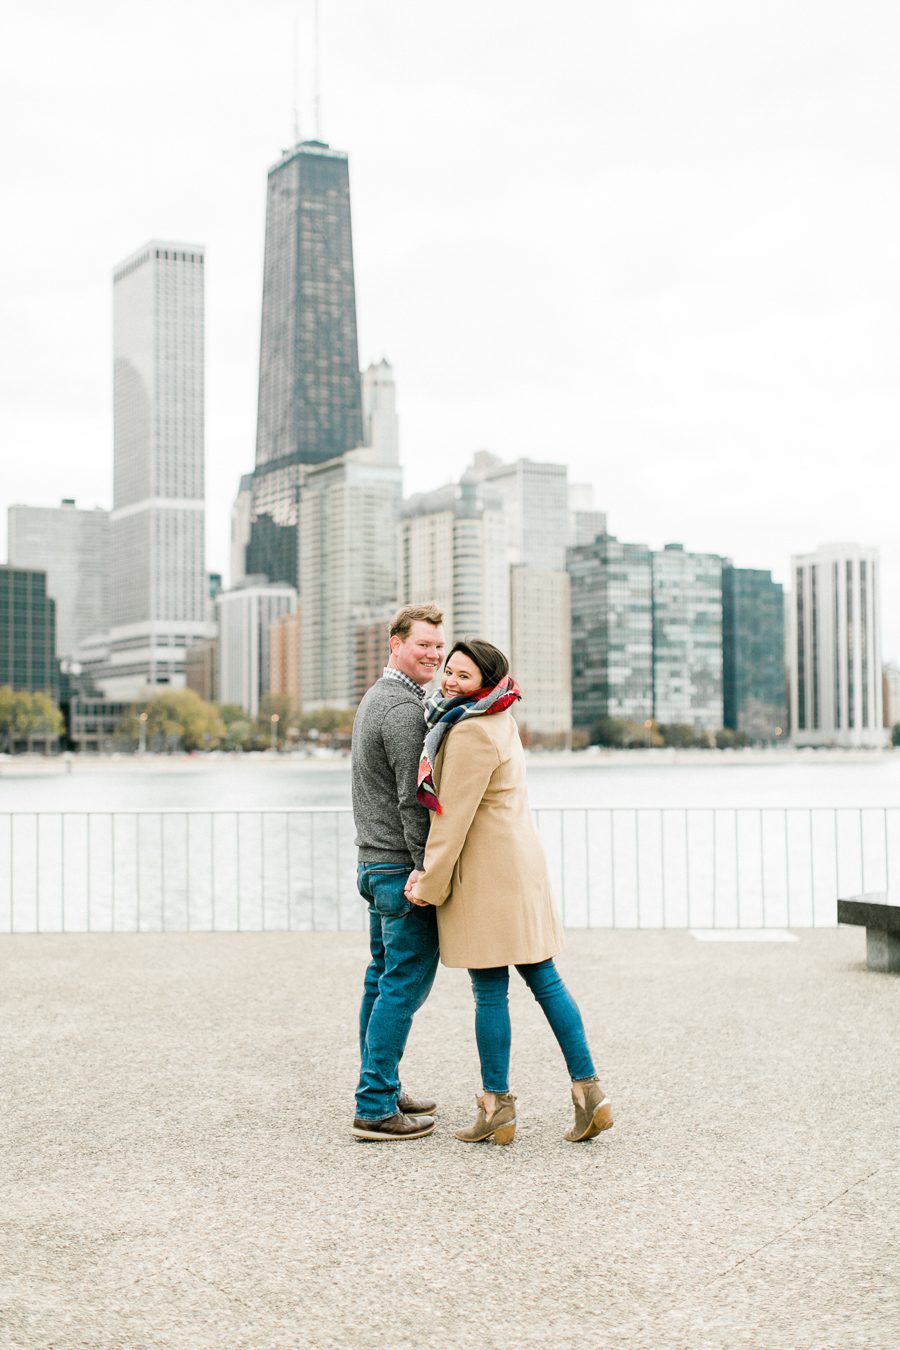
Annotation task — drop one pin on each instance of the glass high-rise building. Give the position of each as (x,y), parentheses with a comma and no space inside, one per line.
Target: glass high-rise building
(310,407)
(27,632)
(687,638)
(612,631)
(753,653)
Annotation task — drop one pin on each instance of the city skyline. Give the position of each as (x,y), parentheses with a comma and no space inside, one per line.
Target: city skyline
(700,325)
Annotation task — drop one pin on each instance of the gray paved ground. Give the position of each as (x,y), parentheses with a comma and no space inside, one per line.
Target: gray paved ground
(176,1168)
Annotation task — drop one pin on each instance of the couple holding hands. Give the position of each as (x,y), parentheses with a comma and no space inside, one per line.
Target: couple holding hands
(452,869)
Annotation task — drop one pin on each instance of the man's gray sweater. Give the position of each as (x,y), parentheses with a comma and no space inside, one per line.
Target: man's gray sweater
(388,733)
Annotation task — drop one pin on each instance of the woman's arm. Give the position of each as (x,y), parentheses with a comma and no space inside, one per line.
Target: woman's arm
(470,758)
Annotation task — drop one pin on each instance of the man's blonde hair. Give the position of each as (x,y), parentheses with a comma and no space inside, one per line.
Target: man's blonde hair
(403,620)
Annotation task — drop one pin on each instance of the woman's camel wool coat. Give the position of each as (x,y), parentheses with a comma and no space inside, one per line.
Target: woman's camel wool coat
(484,863)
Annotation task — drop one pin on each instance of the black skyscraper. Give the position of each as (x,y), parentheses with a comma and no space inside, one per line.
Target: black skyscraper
(309,382)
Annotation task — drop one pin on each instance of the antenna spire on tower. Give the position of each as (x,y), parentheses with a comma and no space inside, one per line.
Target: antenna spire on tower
(318,100)
(295,81)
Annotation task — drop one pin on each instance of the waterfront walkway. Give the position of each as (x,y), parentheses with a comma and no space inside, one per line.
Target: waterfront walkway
(176,1167)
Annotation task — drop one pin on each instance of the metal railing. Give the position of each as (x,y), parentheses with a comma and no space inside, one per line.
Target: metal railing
(284,870)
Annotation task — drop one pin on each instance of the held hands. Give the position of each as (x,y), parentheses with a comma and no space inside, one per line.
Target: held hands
(410,887)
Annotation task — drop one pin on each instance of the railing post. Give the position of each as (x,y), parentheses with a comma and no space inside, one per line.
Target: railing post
(812,868)
(187,871)
(612,862)
(162,872)
(587,868)
(787,868)
(715,866)
(262,870)
(88,869)
(287,868)
(662,865)
(212,869)
(687,861)
(237,838)
(737,866)
(562,863)
(62,871)
(762,866)
(637,864)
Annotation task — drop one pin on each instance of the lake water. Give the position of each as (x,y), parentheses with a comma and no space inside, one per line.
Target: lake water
(644,779)
(648,839)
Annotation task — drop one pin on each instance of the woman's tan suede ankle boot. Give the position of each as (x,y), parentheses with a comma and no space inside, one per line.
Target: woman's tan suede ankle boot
(500,1125)
(593,1115)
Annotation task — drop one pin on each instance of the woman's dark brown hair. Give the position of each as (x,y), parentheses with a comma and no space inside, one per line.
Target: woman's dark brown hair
(488,658)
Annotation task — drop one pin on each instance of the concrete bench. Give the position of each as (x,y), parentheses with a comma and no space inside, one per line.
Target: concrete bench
(881,920)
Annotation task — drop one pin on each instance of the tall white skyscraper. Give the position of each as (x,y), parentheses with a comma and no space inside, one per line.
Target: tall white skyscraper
(348,562)
(159,583)
(454,551)
(381,425)
(534,498)
(834,647)
(72,547)
(246,616)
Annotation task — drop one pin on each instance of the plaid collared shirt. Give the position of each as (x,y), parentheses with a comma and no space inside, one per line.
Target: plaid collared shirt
(391,673)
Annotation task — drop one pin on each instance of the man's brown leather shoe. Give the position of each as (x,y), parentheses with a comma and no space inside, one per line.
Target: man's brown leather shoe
(397,1126)
(415,1106)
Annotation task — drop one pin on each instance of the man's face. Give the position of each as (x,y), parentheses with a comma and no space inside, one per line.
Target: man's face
(420,654)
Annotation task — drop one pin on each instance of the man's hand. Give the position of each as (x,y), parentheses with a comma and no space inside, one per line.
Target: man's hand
(409,887)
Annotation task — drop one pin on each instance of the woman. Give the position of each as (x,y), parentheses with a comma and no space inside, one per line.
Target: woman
(485,870)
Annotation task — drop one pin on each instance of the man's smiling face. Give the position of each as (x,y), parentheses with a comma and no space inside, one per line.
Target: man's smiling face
(420,654)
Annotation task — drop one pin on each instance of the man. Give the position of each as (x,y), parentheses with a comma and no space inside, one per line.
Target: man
(391,832)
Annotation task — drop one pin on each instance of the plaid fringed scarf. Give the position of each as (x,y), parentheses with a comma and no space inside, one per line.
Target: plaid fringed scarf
(442,714)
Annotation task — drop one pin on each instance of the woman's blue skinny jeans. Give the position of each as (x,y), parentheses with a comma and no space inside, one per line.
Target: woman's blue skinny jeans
(493,1032)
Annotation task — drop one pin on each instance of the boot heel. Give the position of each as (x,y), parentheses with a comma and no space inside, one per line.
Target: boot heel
(603,1118)
(506,1134)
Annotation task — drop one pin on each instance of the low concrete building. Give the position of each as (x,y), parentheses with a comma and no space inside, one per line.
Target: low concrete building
(201,669)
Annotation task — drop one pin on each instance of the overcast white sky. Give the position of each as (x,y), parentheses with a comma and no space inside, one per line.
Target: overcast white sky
(659,241)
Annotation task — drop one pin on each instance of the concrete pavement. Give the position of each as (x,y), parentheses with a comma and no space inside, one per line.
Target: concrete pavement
(176,1168)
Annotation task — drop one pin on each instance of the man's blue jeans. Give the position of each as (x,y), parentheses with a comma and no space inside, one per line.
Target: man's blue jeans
(493,1032)
(404,944)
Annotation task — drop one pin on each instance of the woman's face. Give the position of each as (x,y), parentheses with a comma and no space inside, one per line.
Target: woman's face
(461,676)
